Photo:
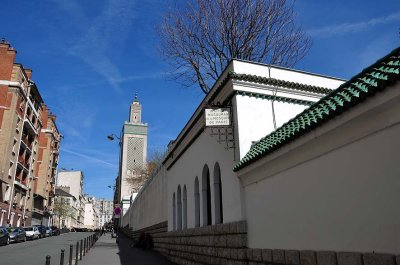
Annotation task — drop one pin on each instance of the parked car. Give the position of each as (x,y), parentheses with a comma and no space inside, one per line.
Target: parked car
(17,234)
(4,236)
(48,231)
(42,230)
(32,232)
(55,231)
(64,230)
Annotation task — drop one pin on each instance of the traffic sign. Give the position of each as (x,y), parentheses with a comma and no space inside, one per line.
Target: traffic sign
(117,212)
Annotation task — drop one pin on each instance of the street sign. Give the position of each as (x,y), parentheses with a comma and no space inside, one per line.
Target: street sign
(117,211)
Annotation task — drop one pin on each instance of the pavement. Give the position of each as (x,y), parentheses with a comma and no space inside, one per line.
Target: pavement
(107,252)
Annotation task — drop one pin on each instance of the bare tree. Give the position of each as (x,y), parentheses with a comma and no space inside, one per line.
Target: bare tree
(136,177)
(201,38)
(63,210)
(155,159)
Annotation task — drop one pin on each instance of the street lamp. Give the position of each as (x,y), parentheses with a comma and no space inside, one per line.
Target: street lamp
(112,137)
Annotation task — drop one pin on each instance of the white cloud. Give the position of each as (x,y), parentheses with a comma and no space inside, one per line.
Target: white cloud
(124,79)
(88,158)
(345,28)
(375,50)
(102,37)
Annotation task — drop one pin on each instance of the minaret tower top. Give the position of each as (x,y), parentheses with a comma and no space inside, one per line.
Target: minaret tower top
(136,111)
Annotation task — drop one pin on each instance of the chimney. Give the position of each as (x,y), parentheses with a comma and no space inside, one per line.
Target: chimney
(28,72)
(7,58)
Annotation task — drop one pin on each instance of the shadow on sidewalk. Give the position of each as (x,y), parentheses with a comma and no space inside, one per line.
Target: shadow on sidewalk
(130,255)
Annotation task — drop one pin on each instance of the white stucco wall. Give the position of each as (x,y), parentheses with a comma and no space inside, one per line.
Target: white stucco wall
(281,73)
(71,179)
(337,192)
(255,119)
(205,151)
(149,207)
(90,216)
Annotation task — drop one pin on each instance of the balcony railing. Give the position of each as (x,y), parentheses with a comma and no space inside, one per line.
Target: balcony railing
(31,125)
(23,163)
(25,140)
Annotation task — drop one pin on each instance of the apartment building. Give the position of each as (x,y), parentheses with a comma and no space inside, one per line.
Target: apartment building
(46,168)
(73,179)
(105,209)
(65,208)
(91,219)
(23,115)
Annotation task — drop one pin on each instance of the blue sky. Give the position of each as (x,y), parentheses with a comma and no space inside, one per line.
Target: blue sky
(90,57)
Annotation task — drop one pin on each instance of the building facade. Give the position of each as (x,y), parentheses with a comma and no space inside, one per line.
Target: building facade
(46,168)
(305,173)
(91,219)
(65,208)
(105,209)
(25,188)
(73,180)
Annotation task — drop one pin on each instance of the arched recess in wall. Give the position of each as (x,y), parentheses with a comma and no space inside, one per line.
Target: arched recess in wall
(179,204)
(219,218)
(206,196)
(196,203)
(184,208)
(173,212)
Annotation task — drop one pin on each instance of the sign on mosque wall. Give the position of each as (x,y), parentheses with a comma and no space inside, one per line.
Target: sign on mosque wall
(218,117)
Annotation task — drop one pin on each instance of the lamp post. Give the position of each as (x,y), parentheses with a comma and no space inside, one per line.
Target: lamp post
(117,188)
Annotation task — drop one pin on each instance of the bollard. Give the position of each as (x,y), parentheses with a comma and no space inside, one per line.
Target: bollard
(87,244)
(84,246)
(62,257)
(80,256)
(71,249)
(48,260)
(76,253)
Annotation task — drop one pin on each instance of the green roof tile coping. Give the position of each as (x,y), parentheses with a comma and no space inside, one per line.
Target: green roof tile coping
(372,79)
(277,98)
(280,83)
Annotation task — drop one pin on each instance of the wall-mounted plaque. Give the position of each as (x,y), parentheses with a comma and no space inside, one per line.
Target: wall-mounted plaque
(218,117)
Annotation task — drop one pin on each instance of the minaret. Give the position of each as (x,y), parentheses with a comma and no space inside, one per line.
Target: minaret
(136,111)
(134,152)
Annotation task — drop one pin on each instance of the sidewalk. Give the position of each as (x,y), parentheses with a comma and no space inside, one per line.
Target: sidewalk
(107,252)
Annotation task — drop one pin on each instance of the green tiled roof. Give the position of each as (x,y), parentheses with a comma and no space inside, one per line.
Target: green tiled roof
(277,98)
(371,80)
(280,83)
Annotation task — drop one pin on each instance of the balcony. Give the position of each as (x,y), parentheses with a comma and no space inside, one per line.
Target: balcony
(30,126)
(22,184)
(38,211)
(23,162)
(27,141)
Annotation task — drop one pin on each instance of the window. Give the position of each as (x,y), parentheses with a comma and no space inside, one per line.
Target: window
(184,210)
(206,196)
(173,212)
(196,203)
(218,195)
(10,170)
(179,204)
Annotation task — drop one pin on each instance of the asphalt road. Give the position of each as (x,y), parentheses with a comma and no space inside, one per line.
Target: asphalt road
(35,252)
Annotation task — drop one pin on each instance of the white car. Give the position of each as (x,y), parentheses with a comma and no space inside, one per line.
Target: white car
(32,232)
